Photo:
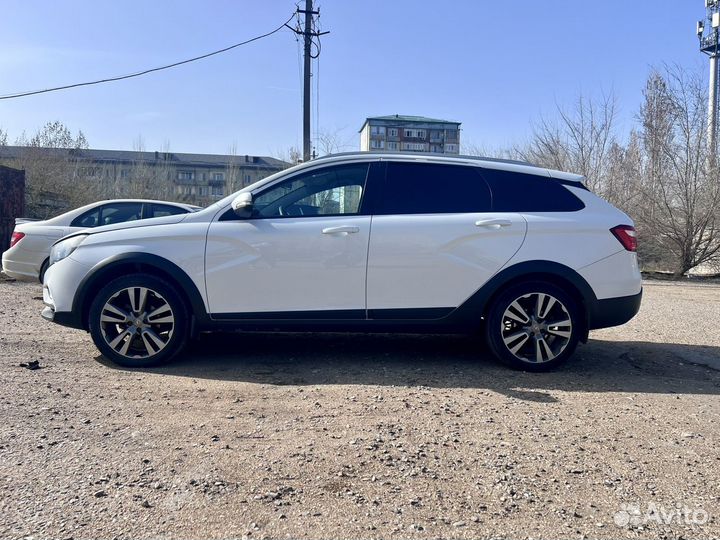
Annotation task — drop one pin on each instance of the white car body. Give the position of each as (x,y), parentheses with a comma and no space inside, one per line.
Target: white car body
(362,271)
(25,259)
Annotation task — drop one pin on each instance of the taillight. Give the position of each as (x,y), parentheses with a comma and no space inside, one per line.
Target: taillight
(626,235)
(16,237)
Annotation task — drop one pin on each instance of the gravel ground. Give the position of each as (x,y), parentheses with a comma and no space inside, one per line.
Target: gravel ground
(325,436)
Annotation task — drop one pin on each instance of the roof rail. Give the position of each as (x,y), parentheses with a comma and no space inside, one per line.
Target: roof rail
(424,154)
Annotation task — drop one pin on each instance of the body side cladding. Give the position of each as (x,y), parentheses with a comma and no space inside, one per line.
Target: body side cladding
(465,318)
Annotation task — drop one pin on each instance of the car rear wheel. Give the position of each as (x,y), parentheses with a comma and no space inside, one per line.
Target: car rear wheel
(138,321)
(534,326)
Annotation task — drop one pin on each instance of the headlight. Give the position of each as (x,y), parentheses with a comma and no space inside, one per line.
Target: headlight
(65,247)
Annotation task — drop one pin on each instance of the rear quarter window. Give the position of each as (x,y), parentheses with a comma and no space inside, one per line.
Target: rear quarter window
(519,192)
(162,210)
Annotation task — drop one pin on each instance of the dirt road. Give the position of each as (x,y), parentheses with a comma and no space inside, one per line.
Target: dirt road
(326,436)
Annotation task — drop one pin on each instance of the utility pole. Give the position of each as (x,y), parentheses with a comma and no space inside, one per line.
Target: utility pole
(712,104)
(306,80)
(308,35)
(709,45)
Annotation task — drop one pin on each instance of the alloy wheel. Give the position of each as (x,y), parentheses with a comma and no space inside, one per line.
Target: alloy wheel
(536,327)
(137,322)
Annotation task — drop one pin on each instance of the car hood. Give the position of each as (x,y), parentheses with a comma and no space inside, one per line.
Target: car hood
(150,222)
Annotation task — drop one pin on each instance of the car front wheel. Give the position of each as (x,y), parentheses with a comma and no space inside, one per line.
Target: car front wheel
(138,321)
(533,326)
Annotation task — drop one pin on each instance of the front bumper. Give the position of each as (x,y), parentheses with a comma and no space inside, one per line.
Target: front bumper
(61,283)
(613,311)
(64,318)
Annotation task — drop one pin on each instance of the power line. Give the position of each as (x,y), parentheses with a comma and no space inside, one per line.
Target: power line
(145,72)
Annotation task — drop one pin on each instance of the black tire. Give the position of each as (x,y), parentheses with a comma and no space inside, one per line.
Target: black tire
(531,354)
(43,269)
(138,336)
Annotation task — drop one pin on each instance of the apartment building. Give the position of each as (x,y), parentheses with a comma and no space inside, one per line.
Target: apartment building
(401,133)
(197,178)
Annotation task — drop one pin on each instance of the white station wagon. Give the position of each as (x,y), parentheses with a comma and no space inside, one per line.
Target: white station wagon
(371,242)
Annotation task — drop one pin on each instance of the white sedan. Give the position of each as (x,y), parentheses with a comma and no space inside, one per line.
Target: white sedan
(27,257)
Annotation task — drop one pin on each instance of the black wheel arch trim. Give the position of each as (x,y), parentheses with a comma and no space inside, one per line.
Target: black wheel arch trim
(163,266)
(476,305)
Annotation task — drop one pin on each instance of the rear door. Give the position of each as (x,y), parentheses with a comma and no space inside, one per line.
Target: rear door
(434,239)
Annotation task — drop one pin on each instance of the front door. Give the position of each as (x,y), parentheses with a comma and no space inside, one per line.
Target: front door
(302,254)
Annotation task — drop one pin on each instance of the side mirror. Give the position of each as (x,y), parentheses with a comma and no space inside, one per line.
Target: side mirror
(242,205)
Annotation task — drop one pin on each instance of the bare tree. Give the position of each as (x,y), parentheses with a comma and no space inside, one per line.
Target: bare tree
(56,177)
(233,174)
(680,186)
(150,179)
(291,156)
(332,142)
(579,141)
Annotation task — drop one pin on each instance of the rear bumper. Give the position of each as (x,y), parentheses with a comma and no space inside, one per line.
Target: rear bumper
(613,311)
(23,271)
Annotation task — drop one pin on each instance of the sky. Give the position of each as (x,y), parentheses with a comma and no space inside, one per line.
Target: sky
(497,66)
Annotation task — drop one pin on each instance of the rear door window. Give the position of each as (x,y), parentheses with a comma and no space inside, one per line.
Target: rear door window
(428,188)
(120,213)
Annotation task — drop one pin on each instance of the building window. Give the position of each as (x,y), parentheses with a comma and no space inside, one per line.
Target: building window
(186,175)
(247,178)
(90,171)
(415,133)
(393,132)
(217,191)
(378,145)
(218,176)
(203,191)
(414,147)
(377,130)
(451,148)
(392,145)
(124,173)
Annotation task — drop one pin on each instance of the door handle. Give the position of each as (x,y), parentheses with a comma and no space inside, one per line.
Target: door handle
(493,223)
(341,230)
